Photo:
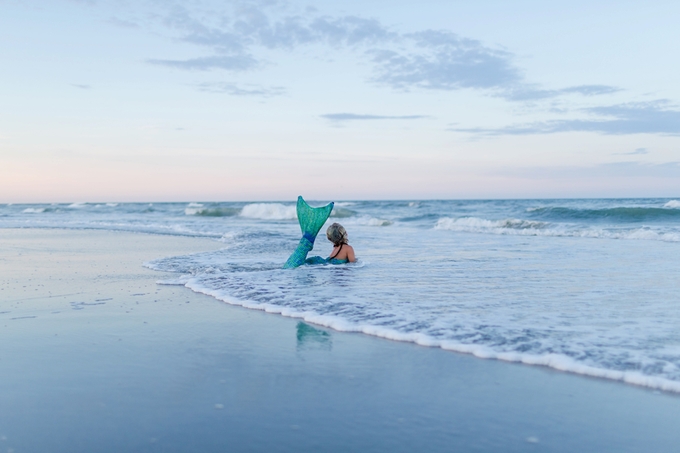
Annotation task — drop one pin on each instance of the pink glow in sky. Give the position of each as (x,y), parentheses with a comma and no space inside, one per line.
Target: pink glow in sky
(121,101)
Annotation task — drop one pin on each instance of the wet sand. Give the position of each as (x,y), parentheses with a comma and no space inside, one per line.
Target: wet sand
(96,356)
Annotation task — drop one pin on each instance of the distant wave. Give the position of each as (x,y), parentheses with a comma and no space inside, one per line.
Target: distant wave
(213,212)
(369,221)
(477,225)
(200,210)
(342,212)
(34,210)
(534,228)
(268,211)
(618,214)
(279,211)
(261,211)
(422,217)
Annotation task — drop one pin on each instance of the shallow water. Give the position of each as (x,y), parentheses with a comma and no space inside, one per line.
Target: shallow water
(585,286)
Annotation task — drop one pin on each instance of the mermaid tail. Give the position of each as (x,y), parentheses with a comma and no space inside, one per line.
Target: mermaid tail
(311,220)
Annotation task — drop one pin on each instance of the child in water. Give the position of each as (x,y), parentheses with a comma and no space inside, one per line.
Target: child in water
(342,251)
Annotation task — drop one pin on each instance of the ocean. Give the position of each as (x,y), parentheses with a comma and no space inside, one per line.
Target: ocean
(584,286)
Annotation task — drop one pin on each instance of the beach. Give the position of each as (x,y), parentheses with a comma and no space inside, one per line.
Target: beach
(282,226)
(97,356)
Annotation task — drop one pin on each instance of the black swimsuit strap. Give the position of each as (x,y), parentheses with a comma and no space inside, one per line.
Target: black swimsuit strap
(337,253)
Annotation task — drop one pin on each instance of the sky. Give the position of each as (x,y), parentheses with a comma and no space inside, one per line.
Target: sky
(206,100)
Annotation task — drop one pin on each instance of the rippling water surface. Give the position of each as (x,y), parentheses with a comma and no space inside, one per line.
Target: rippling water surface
(587,286)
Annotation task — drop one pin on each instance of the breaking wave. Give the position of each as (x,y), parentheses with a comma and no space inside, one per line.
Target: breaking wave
(200,210)
(521,227)
(477,225)
(616,214)
(269,211)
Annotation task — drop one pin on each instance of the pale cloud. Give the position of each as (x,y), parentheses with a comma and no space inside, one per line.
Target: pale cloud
(354,116)
(667,170)
(444,61)
(228,62)
(532,93)
(241,90)
(242,36)
(122,23)
(636,152)
(428,59)
(655,117)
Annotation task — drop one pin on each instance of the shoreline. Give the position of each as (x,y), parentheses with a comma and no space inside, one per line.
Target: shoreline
(100,357)
(556,362)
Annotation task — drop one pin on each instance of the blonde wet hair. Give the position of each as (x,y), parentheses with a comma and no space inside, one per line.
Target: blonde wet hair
(337,234)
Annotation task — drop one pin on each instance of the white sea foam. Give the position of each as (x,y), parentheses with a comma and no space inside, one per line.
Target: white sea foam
(379,222)
(477,225)
(559,362)
(229,237)
(112,205)
(576,306)
(77,205)
(193,209)
(675,204)
(269,211)
(33,210)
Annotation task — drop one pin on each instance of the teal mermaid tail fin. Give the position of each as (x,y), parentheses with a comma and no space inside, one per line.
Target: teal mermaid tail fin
(311,220)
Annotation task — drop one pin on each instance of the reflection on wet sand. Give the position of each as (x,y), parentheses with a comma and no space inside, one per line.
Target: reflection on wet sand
(309,337)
